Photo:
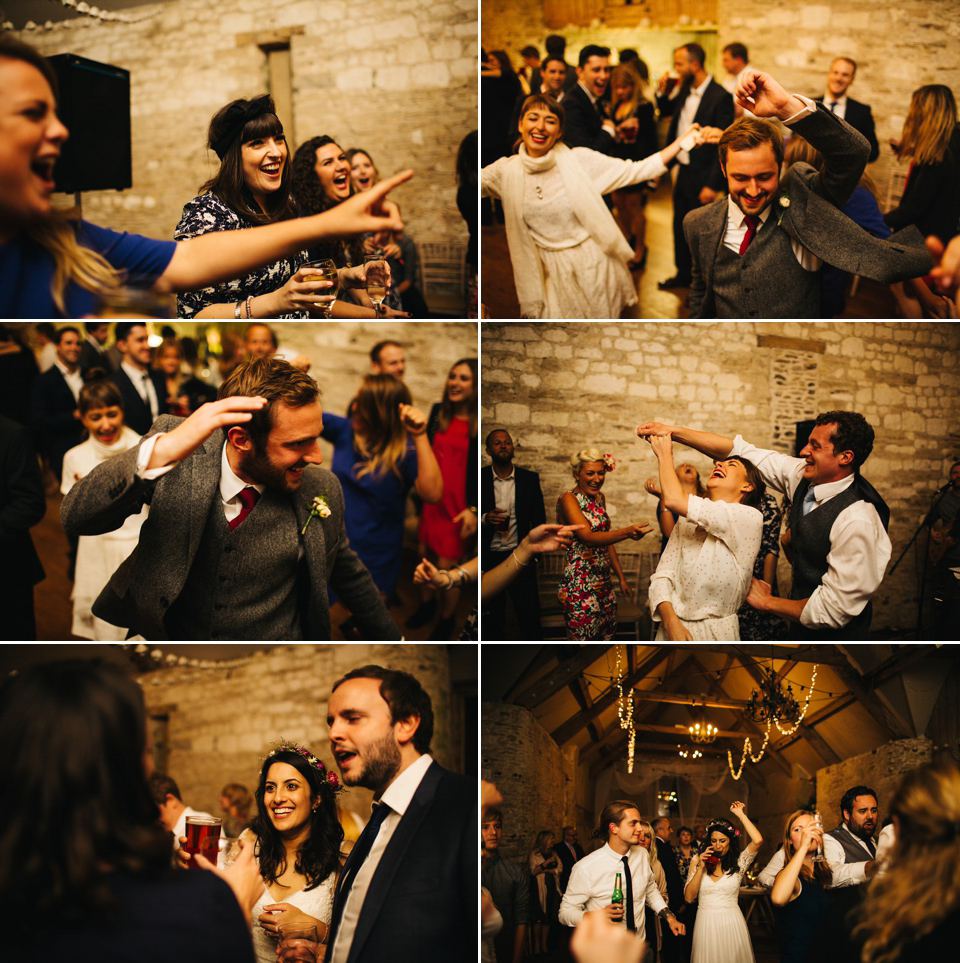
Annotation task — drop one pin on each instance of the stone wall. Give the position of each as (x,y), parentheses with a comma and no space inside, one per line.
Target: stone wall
(395,77)
(561,386)
(534,776)
(223,720)
(898,46)
(882,769)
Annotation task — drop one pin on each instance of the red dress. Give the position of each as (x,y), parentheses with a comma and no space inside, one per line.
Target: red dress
(438,531)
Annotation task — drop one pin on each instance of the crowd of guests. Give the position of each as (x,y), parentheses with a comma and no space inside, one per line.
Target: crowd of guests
(857,893)
(96,854)
(244,248)
(557,137)
(721,539)
(96,402)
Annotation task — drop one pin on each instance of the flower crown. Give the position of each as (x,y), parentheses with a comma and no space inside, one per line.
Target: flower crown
(609,462)
(330,778)
(725,826)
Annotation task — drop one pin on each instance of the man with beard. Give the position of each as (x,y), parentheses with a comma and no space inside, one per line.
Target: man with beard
(757,252)
(408,891)
(509,887)
(245,530)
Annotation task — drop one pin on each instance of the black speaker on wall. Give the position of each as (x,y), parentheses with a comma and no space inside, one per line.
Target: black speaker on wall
(95,106)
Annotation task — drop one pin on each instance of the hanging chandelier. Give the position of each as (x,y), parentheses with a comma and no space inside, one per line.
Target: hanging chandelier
(771,702)
(703,732)
(771,718)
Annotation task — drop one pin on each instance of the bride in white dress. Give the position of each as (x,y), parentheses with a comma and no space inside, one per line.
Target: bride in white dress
(569,257)
(720,934)
(296,836)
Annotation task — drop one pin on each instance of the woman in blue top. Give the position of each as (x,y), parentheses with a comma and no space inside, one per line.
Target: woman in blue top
(379,453)
(52,265)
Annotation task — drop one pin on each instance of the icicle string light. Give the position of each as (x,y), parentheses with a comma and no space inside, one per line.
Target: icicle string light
(625,712)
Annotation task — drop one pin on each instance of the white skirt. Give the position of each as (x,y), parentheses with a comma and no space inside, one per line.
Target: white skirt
(583,282)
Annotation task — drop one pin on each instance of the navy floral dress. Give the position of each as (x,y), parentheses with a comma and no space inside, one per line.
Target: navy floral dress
(762,626)
(208,213)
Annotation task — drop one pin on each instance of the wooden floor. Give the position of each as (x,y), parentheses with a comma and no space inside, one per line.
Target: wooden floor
(499,297)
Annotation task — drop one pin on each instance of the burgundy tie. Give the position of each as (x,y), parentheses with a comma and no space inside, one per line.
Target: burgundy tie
(248,497)
(752,223)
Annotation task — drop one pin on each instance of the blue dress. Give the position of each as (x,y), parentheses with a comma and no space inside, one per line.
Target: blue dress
(374,505)
(26,270)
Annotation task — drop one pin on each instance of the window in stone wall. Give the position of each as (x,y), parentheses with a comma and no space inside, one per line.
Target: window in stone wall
(794,384)
(159,723)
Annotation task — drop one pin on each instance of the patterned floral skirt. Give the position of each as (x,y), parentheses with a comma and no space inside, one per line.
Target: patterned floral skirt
(588,600)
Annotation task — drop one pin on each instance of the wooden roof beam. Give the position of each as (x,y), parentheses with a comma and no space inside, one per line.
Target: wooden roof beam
(560,677)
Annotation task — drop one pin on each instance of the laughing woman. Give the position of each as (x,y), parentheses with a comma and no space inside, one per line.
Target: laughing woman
(705,572)
(297,837)
(251,187)
(569,257)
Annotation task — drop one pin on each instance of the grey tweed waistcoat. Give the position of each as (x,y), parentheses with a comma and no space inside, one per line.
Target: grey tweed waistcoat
(225,597)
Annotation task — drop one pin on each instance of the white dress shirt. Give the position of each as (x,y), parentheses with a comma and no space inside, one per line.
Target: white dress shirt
(859,547)
(592,880)
(840,108)
(687,112)
(144,386)
(74,379)
(505,496)
(398,796)
(844,873)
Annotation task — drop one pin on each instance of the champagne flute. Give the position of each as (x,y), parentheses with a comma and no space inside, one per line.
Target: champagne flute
(818,822)
(375,270)
(324,270)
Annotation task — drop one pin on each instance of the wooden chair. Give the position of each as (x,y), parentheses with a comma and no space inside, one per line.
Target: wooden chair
(444,270)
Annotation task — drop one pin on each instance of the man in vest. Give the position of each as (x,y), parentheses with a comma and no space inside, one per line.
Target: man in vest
(838,523)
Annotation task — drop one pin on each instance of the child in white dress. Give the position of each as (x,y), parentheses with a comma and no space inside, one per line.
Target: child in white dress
(705,571)
(99,556)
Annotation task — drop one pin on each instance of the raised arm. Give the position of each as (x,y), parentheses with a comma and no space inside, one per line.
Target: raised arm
(674,497)
(714,446)
(756,840)
(429,483)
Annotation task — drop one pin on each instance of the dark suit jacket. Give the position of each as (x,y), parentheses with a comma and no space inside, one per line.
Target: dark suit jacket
(91,358)
(421,904)
(859,117)
(136,412)
(56,429)
(715,110)
(813,218)
(22,505)
(144,587)
(584,124)
(562,852)
(671,871)
(529,503)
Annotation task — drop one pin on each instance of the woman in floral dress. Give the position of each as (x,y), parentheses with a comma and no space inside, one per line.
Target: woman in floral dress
(585,589)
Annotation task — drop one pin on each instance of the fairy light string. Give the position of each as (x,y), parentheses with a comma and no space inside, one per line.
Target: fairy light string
(625,712)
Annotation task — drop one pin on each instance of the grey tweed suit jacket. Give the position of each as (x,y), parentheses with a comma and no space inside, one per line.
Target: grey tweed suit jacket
(813,218)
(142,590)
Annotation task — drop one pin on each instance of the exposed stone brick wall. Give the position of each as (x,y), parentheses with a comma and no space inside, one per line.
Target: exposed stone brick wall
(223,720)
(561,386)
(395,77)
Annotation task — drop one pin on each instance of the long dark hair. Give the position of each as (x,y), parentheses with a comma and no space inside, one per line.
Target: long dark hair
(77,806)
(310,199)
(446,405)
(228,183)
(730,859)
(319,854)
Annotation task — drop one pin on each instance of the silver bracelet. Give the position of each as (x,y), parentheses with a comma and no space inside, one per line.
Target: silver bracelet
(249,309)
(237,309)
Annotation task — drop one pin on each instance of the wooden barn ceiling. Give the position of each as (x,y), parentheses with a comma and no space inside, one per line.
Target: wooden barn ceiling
(865,696)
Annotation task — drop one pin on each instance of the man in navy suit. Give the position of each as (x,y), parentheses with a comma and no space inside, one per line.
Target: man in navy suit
(144,391)
(587,124)
(517,493)
(56,418)
(408,891)
(857,115)
(699,178)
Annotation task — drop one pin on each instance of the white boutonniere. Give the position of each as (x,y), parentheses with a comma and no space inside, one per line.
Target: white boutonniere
(784,204)
(318,509)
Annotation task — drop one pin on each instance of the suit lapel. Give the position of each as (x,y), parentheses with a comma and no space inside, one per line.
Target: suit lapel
(203,491)
(393,856)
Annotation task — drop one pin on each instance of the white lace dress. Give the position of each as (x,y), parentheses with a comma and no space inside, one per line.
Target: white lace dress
(316,902)
(720,934)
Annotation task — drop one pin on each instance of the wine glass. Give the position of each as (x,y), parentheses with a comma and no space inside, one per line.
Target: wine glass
(375,269)
(324,270)
(818,822)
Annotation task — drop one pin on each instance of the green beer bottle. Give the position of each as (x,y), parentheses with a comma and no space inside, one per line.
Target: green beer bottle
(617,898)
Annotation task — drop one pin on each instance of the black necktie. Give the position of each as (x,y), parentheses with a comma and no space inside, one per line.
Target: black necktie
(356,859)
(871,847)
(631,922)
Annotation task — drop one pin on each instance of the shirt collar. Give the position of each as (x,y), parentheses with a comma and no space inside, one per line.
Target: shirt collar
(699,90)
(134,374)
(401,791)
(593,99)
(828,490)
(64,370)
(510,477)
(828,100)
(736,216)
(230,484)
